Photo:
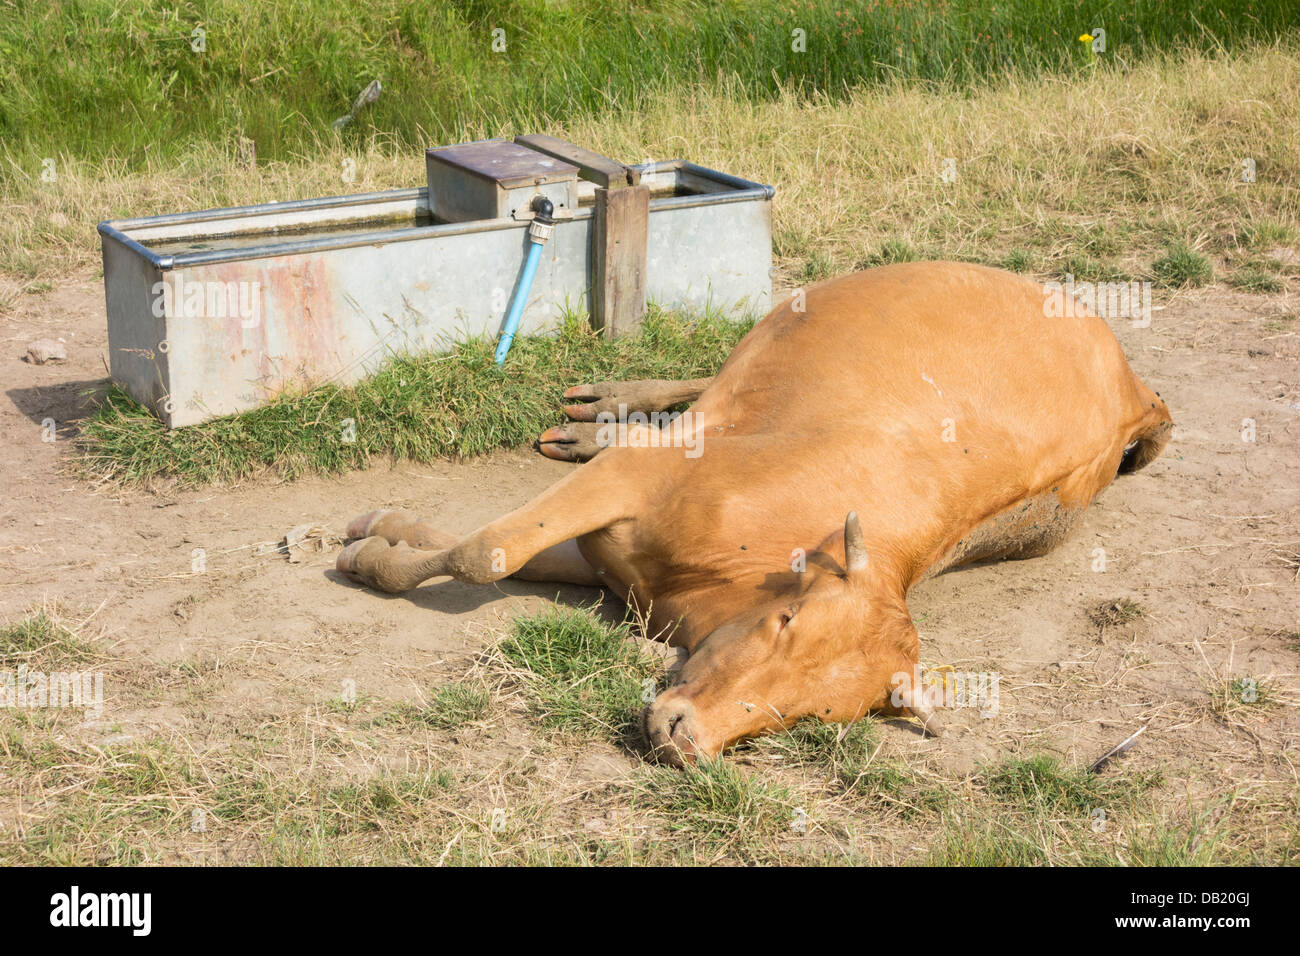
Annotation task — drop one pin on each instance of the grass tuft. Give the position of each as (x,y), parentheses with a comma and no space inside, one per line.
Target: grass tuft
(42,641)
(810,741)
(1256,278)
(1018,260)
(720,801)
(1041,782)
(587,677)
(1182,267)
(455,705)
(890,251)
(1116,613)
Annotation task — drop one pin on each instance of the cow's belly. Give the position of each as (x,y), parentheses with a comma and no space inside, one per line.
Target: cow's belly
(1026,530)
(611,554)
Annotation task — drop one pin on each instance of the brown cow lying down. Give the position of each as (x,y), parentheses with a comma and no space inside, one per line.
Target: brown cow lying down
(935,404)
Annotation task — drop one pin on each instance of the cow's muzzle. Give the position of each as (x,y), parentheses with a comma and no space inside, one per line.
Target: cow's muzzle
(672,730)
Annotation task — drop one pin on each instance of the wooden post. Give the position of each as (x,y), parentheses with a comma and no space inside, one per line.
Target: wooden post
(618,237)
(618,259)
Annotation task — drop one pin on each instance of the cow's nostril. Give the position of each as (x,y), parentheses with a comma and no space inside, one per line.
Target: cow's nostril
(670,731)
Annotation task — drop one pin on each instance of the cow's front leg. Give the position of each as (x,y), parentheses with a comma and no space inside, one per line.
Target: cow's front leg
(579,440)
(650,395)
(534,541)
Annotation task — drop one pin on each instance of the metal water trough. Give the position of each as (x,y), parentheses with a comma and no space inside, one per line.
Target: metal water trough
(216,312)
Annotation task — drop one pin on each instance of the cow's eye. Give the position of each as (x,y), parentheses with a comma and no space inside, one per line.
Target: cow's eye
(786,616)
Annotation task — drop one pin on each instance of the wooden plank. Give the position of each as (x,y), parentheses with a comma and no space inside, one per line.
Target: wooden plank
(618,256)
(593,167)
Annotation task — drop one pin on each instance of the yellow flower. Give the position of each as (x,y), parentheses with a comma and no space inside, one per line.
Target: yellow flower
(1086,38)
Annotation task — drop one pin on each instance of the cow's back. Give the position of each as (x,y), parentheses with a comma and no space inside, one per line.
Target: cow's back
(925,337)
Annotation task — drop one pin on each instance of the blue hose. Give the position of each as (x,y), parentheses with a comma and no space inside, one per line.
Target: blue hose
(521,297)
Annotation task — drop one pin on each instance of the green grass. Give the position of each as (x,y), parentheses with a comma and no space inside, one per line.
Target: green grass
(122,805)
(1251,692)
(850,758)
(890,251)
(816,267)
(1182,267)
(994,841)
(1036,812)
(42,642)
(417,408)
(1018,260)
(721,802)
(1042,782)
(382,800)
(810,741)
(1253,277)
(586,677)
(116,80)
(984,843)
(1087,268)
(454,705)
(895,786)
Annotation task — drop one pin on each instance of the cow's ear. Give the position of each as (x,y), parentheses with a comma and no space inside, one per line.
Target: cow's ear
(855,551)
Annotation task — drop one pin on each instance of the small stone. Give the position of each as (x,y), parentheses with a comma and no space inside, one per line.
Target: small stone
(45,350)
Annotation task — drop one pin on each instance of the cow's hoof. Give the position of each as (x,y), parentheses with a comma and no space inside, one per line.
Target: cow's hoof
(670,730)
(363,526)
(595,399)
(575,441)
(359,559)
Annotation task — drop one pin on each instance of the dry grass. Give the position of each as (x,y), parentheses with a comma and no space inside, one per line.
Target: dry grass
(466,774)
(1096,174)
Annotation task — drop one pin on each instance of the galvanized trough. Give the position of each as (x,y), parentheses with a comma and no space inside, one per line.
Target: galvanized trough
(216,312)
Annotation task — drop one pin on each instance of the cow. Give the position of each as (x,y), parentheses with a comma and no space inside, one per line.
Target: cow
(875,430)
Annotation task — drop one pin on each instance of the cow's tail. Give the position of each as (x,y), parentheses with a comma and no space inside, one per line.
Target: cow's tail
(1149,442)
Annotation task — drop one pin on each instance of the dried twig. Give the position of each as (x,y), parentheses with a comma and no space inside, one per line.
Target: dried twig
(1121,748)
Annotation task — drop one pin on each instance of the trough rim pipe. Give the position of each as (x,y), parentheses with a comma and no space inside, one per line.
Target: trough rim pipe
(539,230)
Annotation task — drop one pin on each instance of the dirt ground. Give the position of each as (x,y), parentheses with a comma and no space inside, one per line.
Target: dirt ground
(1206,540)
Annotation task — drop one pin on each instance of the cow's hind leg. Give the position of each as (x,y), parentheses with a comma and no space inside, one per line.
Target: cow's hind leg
(395,526)
(578,440)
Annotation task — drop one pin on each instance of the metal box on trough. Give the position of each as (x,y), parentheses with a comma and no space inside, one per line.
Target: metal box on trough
(495,179)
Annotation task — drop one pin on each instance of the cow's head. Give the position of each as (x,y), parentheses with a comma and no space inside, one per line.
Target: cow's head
(833,648)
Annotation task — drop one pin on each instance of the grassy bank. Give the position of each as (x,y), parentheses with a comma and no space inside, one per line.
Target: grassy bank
(100,80)
(418,408)
(1095,173)
(1110,175)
